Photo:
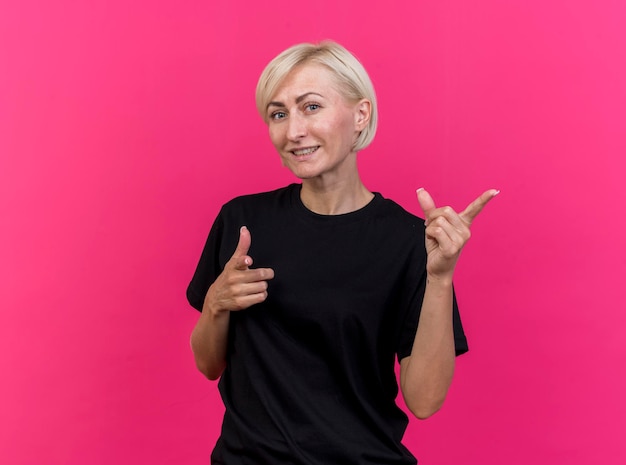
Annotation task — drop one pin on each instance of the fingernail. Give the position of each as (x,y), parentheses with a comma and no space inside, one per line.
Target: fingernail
(420,189)
(243,228)
(496,192)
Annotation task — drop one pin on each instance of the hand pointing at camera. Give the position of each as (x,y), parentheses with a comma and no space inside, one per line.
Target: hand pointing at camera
(239,286)
(236,288)
(447,231)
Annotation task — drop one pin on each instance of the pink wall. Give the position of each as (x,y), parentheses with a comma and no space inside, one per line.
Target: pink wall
(125,125)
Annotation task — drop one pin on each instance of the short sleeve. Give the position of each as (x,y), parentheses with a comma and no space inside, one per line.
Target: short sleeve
(208,268)
(460,341)
(410,321)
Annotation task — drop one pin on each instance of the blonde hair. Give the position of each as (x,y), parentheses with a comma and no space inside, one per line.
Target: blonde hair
(353,81)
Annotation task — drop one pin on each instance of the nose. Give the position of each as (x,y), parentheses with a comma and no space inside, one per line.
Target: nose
(296,127)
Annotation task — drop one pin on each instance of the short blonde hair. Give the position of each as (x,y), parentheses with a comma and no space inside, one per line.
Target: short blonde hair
(353,81)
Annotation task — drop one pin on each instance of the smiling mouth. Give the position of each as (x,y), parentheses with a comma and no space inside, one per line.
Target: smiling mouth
(307,151)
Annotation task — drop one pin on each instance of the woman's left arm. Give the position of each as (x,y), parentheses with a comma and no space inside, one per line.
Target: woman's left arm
(426,374)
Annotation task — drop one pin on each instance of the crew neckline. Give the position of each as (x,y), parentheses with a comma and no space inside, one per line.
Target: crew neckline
(355,215)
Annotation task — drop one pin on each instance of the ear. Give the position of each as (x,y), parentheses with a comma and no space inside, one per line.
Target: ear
(362,114)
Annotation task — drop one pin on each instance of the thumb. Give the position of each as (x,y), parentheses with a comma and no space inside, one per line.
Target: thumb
(240,257)
(425,200)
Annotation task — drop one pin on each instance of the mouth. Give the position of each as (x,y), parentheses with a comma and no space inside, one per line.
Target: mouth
(306,151)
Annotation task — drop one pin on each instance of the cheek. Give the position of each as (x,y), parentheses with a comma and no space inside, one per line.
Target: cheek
(344,131)
(326,130)
(274,136)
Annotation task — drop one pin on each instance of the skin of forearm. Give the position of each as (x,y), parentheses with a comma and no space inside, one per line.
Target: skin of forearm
(426,374)
(209,340)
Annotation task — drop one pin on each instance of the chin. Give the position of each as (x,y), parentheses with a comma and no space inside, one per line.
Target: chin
(302,176)
(300,173)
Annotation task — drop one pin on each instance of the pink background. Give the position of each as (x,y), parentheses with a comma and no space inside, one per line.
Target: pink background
(125,125)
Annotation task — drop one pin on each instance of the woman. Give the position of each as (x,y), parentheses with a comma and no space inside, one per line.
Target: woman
(308,292)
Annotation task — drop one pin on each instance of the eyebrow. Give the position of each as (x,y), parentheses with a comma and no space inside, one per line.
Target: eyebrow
(298,100)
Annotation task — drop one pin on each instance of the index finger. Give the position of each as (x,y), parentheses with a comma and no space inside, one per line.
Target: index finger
(474,208)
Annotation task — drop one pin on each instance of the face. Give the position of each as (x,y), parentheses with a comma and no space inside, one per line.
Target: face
(314,127)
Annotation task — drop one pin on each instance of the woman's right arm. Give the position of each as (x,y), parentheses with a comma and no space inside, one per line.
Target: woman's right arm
(236,288)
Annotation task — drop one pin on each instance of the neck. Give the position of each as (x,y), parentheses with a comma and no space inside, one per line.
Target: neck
(337,198)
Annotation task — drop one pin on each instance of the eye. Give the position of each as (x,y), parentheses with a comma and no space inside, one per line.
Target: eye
(312,106)
(277,115)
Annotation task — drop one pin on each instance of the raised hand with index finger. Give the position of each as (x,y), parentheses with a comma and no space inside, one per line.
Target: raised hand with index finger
(448,231)
(239,286)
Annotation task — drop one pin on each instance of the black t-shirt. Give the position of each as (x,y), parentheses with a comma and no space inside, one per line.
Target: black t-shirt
(310,372)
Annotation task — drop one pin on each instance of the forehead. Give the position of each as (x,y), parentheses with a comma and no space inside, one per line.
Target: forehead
(309,77)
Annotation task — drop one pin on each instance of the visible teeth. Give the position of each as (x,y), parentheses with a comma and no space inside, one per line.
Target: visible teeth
(305,151)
